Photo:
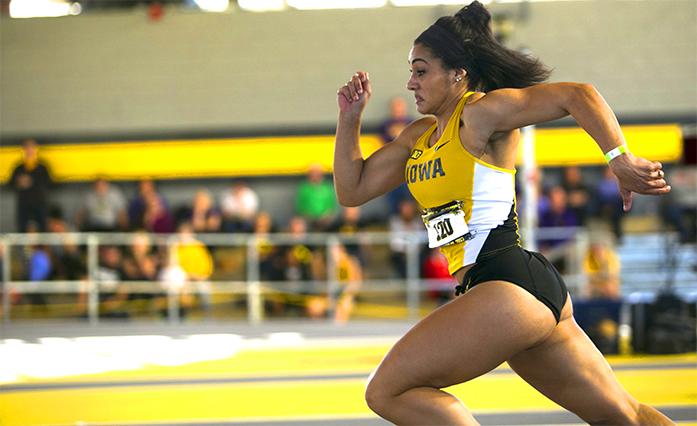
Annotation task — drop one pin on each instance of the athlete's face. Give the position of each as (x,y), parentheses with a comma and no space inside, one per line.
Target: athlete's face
(431,83)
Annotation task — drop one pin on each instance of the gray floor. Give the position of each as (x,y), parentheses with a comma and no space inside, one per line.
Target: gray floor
(678,414)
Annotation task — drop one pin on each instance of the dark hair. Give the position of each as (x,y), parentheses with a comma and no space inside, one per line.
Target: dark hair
(465,40)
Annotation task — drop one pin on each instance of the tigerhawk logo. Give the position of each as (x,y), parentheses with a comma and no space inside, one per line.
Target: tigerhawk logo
(416,154)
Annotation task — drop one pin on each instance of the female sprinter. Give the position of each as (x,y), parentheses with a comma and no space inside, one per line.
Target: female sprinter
(459,164)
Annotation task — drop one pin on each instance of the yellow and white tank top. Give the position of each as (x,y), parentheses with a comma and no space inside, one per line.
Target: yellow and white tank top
(446,172)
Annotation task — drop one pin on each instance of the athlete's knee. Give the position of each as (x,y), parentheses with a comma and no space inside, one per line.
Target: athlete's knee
(381,393)
(378,395)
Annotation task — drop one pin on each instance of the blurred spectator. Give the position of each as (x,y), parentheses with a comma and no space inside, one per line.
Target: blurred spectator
(578,193)
(69,261)
(112,295)
(196,260)
(56,222)
(298,256)
(294,262)
(602,267)
(202,216)
(559,214)
(608,202)
(389,130)
(68,258)
(348,223)
(193,255)
(348,275)
(39,264)
(173,279)
(269,269)
(39,268)
(103,209)
(441,283)
(31,181)
(397,121)
(109,270)
(239,206)
(141,264)
(315,200)
(138,206)
(407,220)
(679,207)
(157,218)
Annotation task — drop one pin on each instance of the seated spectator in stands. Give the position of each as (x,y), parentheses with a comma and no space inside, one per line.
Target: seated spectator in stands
(679,206)
(315,200)
(269,265)
(138,204)
(140,264)
(196,260)
(408,220)
(440,283)
(348,223)
(56,222)
(298,255)
(39,268)
(397,121)
(348,275)
(578,193)
(103,209)
(70,262)
(239,205)
(156,217)
(295,262)
(202,216)
(559,214)
(608,202)
(602,267)
(31,181)
(174,279)
(113,296)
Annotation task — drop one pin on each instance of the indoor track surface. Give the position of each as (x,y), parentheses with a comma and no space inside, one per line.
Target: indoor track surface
(278,373)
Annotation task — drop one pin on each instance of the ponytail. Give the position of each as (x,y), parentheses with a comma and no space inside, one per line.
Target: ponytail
(465,40)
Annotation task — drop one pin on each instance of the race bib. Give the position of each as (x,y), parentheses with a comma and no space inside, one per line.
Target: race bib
(446,227)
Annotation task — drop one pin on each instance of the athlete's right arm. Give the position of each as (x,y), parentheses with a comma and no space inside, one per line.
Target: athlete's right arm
(359,180)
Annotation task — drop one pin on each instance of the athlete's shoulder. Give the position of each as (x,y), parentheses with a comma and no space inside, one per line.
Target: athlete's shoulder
(414,130)
(474,97)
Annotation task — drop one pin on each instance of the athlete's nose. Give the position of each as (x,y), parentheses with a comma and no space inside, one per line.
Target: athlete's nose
(411,83)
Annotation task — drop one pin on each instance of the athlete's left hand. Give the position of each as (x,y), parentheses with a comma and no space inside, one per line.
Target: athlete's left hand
(636,174)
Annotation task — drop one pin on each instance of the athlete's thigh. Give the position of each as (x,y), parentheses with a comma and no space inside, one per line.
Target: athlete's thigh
(569,369)
(466,338)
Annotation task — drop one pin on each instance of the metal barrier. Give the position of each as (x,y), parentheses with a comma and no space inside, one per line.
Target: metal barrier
(252,287)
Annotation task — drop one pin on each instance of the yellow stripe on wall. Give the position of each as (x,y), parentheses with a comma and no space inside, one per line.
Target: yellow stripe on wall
(567,146)
(197,158)
(201,158)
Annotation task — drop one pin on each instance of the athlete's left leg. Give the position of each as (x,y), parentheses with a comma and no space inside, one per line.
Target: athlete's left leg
(570,370)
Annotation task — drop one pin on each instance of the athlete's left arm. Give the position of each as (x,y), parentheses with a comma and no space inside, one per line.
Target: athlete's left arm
(507,109)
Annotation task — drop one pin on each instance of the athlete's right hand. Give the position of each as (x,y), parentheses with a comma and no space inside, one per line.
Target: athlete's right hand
(353,96)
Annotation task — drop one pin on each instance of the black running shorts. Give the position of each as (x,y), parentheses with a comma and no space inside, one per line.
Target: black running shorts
(529,270)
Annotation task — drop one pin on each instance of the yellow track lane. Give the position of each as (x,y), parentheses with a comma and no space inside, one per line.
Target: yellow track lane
(297,398)
(291,398)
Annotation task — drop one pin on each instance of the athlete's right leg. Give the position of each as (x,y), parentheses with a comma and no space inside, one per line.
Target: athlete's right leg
(570,370)
(457,342)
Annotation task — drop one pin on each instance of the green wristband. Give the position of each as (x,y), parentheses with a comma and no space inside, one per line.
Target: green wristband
(622,149)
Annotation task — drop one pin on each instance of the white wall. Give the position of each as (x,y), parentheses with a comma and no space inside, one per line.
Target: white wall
(121,73)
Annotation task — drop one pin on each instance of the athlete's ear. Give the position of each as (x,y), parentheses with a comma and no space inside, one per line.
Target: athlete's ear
(460,75)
